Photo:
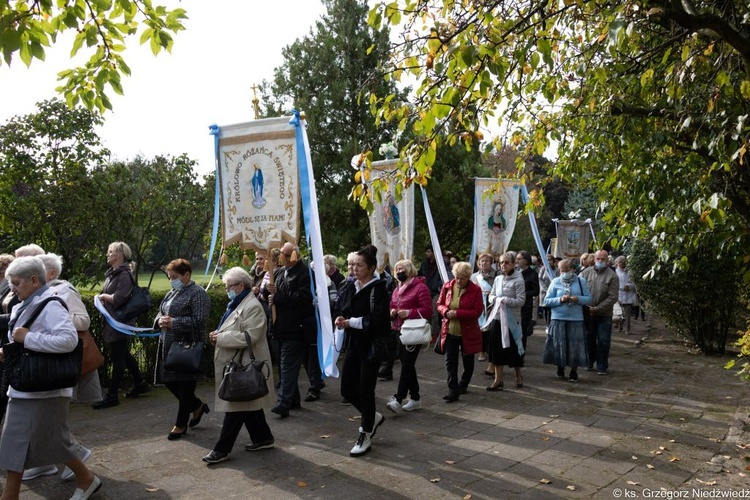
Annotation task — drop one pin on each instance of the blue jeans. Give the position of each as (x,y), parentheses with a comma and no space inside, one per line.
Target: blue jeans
(292,355)
(598,339)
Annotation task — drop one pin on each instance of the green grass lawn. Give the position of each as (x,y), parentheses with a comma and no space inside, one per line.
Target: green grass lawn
(161,282)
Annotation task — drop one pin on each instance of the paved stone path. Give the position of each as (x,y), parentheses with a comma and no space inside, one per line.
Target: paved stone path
(662,420)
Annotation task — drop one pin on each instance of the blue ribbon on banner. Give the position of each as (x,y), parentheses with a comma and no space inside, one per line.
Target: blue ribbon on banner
(326,358)
(214,131)
(122,327)
(434,239)
(474,236)
(535,232)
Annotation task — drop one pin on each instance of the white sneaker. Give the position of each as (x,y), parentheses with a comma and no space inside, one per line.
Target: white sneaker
(412,405)
(379,419)
(84,454)
(363,444)
(35,472)
(394,405)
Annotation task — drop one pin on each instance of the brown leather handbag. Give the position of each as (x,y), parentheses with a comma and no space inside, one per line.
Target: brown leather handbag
(92,356)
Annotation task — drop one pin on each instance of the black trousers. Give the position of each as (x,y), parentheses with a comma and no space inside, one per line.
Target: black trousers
(255,423)
(359,376)
(452,348)
(122,358)
(407,381)
(184,391)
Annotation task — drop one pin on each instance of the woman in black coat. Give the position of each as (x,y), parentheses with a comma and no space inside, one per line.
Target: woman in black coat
(365,316)
(182,317)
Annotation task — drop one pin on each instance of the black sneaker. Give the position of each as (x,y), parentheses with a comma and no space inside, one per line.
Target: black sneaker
(107,402)
(560,372)
(280,411)
(215,457)
(263,445)
(573,376)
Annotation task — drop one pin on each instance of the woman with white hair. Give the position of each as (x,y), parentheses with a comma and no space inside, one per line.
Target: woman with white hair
(89,388)
(244,315)
(36,428)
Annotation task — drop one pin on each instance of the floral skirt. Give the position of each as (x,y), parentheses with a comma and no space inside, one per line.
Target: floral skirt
(566,344)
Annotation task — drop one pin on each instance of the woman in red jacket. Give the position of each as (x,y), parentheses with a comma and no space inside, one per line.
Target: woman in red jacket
(410,300)
(460,305)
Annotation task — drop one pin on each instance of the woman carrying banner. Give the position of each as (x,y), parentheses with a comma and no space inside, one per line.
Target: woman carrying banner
(506,341)
(460,305)
(566,337)
(484,277)
(116,292)
(365,319)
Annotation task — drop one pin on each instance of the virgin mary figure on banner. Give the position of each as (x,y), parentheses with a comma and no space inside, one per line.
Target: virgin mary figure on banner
(495,215)
(392,220)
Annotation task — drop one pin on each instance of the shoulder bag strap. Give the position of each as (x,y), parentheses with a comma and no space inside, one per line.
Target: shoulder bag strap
(39,308)
(249,346)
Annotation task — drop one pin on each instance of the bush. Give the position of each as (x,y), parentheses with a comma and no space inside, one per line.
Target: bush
(699,302)
(145,348)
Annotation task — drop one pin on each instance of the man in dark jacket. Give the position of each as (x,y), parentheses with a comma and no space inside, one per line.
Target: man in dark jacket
(292,296)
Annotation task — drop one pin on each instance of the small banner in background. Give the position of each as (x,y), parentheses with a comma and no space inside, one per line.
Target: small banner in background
(572,238)
(259,183)
(391,221)
(495,214)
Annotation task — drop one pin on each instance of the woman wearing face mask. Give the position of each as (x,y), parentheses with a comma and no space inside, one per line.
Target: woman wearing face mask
(566,336)
(410,300)
(182,318)
(484,277)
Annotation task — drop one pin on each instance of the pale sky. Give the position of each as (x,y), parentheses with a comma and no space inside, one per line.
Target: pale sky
(171,99)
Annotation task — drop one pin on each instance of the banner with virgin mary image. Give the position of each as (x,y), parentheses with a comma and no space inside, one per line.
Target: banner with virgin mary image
(258,179)
(572,238)
(392,220)
(496,210)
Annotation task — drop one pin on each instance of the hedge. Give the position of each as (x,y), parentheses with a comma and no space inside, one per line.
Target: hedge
(144,348)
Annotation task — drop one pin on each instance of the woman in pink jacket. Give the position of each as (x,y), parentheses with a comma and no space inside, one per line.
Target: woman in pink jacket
(410,300)
(460,304)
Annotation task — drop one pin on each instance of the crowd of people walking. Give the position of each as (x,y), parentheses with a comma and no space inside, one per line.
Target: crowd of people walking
(487,312)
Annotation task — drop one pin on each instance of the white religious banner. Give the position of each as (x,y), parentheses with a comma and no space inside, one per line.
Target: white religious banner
(258,179)
(495,212)
(392,220)
(572,238)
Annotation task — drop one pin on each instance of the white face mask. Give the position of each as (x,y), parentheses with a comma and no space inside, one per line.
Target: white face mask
(231,294)
(600,265)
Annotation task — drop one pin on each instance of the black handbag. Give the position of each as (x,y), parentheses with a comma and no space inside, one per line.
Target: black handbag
(244,383)
(138,303)
(27,370)
(185,357)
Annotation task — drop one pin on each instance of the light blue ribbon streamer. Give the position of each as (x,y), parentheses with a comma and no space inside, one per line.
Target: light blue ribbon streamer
(122,327)
(535,232)
(326,356)
(474,236)
(437,252)
(515,330)
(215,130)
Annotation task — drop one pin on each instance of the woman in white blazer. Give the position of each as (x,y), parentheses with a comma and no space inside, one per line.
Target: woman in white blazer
(244,315)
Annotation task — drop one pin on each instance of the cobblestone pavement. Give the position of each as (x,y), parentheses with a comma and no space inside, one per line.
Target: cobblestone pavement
(662,420)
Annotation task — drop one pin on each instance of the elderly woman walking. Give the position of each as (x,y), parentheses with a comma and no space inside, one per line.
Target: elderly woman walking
(566,335)
(244,316)
(460,305)
(36,431)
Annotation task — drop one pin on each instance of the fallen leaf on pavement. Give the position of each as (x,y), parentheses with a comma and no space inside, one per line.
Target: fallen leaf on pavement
(467,496)
(152,489)
(633,483)
(674,459)
(450,462)
(571,487)
(435,480)
(545,438)
(554,416)
(649,466)
(302,484)
(634,457)
(663,448)
(325,436)
(545,481)
(549,431)
(709,483)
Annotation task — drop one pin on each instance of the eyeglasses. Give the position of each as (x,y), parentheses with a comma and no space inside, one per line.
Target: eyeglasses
(505,262)
(228,286)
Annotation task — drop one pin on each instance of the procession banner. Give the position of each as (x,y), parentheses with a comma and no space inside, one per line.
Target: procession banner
(392,221)
(496,209)
(572,238)
(259,184)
